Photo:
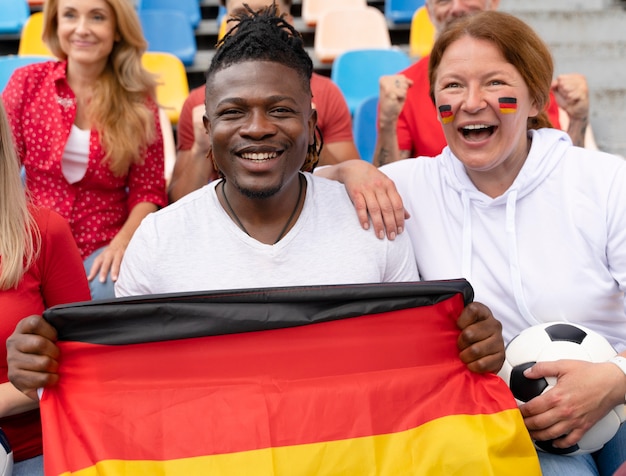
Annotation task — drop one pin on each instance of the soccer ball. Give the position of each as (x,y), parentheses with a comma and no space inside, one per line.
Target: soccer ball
(6,455)
(550,342)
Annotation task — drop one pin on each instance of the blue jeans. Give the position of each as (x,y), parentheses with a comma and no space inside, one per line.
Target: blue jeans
(99,290)
(601,463)
(29,467)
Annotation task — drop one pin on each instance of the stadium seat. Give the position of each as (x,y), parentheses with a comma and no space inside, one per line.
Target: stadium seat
(14,15)
(422,34)
(357,72)
(343,29)
(312,9)
(10,63)
(364,127)
(169,31)
(191,8)
(401,11)
(173,87)
(30,41)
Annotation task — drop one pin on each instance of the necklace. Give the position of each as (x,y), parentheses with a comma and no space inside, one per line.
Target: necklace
(289,220)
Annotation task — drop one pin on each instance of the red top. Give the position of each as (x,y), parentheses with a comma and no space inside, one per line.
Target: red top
(57,277)
(41,109)
(333,115)
(419,130)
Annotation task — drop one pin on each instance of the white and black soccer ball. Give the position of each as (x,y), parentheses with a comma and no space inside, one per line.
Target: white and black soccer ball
(6,455)
(556,341)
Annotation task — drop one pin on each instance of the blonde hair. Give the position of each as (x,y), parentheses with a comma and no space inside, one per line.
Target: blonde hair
(121,91)
(19,235)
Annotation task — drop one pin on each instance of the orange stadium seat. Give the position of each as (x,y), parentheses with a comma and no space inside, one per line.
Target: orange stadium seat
(312,9)
(343,29)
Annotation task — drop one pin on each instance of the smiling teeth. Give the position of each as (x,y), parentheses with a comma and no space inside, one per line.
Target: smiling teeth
(473,127)
(261,156)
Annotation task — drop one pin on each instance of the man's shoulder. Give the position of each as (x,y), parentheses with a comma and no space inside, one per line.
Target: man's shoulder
(322,85)
(186,206)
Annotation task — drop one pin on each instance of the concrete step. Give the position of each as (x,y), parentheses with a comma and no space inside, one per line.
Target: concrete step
(587,37)
(554,5)
(608,118)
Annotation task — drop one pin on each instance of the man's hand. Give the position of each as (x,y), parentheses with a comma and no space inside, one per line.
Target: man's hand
(32,355)
(481,344)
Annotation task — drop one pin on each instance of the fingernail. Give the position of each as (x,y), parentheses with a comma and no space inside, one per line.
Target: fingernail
(381,234)
(392,236)
(400,230)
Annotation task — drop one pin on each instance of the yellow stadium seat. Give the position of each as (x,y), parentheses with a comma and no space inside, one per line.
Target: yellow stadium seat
(343,29)
(422,34)
(173,86)
(30,40)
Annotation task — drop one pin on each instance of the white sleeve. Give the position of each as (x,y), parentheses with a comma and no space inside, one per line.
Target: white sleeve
(141,255)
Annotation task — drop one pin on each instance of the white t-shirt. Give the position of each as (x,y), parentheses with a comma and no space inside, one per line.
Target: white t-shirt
(193,245)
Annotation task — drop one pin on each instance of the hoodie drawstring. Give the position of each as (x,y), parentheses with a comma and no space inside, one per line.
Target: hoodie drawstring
(514,268)
(466,266)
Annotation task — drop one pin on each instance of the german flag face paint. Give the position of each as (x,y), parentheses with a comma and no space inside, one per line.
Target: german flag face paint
(446,113)
(508,105)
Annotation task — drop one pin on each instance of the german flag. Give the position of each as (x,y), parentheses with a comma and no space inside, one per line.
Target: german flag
(446,113)
(302,381)
(508,105)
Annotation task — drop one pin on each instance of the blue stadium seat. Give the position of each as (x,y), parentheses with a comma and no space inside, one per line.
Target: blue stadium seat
(8,64)
(14,14)
(356,72)
(365,129)
(401,11)
(169,31)
(191,8)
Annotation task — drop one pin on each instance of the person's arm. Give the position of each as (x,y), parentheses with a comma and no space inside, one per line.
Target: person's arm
(13,402)
(169,145)
(193,168)
(392,97)
(572,96)
(110,259)
(334,122)
(33,356)
(146,193)
(373,194)
(337,152)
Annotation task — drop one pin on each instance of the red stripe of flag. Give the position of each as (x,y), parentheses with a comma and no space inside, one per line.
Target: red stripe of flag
(371,375)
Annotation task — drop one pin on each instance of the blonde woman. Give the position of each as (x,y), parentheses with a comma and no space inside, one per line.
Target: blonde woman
(40,267)
(87,130)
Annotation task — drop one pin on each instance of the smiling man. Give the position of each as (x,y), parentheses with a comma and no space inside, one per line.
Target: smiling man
(268,221)
(193,170)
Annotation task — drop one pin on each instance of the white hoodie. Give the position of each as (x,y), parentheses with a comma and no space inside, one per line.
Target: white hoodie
(552,247)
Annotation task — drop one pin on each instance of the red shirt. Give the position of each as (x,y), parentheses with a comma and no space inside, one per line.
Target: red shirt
(419,130)
(56,277)
(333,115)
(41,109)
